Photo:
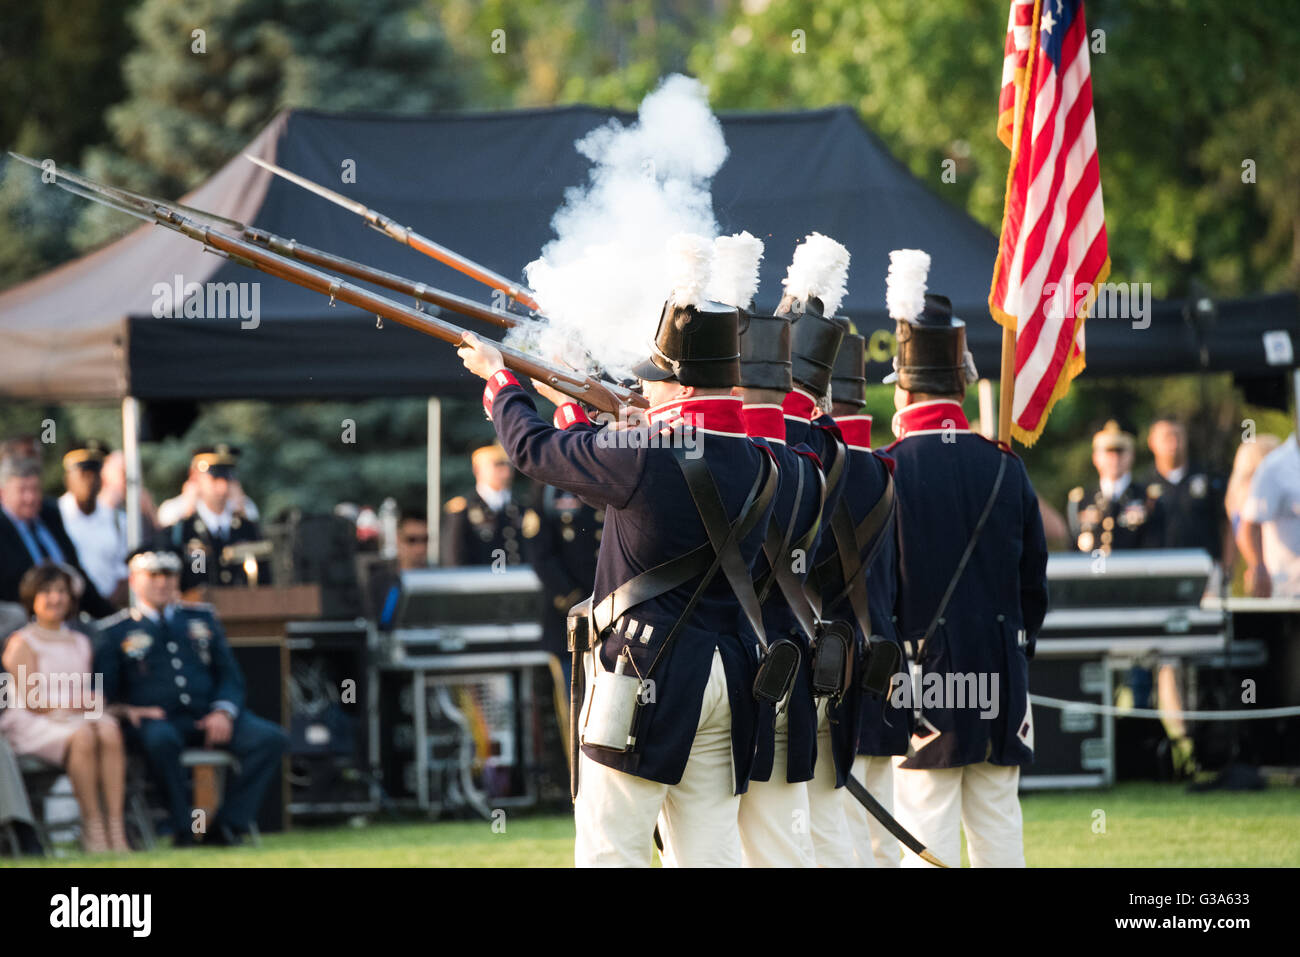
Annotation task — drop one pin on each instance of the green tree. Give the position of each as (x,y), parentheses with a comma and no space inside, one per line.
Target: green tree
(206,75)
(59,70)
(572,51)
(1183,96)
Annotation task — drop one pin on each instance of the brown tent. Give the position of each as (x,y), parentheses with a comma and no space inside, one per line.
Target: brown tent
(65,332)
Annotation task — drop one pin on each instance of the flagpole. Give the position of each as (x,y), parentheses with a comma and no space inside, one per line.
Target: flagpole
(1007,384)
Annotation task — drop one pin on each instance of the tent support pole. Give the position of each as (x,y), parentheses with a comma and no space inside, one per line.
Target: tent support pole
(131,461)
(433,500)
(1007,385)
(1295,396)
(988,415)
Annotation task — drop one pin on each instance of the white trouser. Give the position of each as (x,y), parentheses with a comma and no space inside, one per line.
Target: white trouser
(872,843)
(829,823)
(774,814)
(616,812)
(935,805)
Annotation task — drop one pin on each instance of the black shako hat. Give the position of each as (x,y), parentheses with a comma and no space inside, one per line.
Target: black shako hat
(698,345)
(931,350)
(849,374)
(815,341)
(765,352)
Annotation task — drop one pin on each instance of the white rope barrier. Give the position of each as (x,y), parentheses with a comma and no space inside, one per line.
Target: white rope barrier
(1243,715)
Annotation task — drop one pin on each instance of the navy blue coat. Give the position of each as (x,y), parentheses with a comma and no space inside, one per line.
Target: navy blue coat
(944,475)
(882,729)
(766,424)
(183,665)
(562,549)
(823,436)
(650,518)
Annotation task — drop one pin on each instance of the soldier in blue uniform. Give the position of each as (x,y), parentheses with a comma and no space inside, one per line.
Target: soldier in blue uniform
(774,811)
(1115,513)
(974,726)
(818,335)
(486,527)
(694,731)
(883,730)
(206,537)
(172,658)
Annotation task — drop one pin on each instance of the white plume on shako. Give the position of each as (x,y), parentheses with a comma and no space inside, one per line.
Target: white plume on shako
(905,283)
(603,279)
(820,267)
(735,269)
(690,267)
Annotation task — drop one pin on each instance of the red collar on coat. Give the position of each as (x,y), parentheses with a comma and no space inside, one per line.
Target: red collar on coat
(934,416)
(719,414)
(764,422)
(799,405)
(856,430)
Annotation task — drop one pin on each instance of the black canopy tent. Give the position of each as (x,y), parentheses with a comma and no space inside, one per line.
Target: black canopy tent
(487,185)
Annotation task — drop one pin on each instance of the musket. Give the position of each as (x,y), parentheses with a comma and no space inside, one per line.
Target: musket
(606,397)
(409,237)
(308,254)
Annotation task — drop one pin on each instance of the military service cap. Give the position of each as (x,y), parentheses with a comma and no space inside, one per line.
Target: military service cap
(218,460)
(89,454)
(1112,436)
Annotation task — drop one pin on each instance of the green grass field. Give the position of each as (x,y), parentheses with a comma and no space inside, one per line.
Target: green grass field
(1145,825)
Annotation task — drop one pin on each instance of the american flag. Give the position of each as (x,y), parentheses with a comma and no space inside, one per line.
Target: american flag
(1053,227)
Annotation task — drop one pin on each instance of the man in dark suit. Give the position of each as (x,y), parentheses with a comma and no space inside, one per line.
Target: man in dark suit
(31,532)
(172,658)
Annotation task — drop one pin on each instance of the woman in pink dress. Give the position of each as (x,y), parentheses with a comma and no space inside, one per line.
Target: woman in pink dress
(58,716)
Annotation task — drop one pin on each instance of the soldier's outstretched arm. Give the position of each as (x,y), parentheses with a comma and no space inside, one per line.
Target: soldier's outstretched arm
(578,457)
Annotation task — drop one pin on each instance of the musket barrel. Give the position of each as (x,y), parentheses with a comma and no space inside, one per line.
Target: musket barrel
(407,236)
(317,257)
(270,254)
(581,387)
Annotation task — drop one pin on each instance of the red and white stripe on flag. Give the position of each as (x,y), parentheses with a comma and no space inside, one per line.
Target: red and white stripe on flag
(1052,252)
(1020,27)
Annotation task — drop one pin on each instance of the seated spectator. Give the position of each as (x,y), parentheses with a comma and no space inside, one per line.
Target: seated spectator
(1269,537)
(31,532)
(100,539)
(58,717)
(173,656)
